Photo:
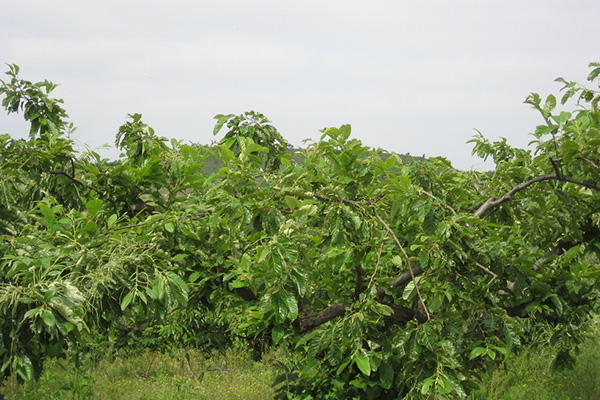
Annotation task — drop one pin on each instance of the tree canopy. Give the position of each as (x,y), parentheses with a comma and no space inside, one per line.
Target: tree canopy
(382,277)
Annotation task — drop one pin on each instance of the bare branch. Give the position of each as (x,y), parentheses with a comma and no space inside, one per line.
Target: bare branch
(492,203)
(554,162)
(593,164)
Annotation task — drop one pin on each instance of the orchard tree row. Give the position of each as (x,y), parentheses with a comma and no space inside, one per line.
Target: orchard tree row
(380,277)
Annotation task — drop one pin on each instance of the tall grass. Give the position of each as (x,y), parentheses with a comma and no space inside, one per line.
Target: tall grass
(189,374)
(529,376)
(182,375)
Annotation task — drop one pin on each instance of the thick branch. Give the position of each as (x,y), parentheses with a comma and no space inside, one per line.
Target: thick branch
(407,276)
(307,322)
(556,251)
(400,316)
(492,203)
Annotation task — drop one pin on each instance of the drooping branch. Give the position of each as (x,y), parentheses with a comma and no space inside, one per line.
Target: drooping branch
(394,237)
(492,203)
(72,178)
(410,269)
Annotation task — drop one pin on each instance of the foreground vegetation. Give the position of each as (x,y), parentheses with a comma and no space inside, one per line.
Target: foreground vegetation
(183,374)
(190,374)
(377,277)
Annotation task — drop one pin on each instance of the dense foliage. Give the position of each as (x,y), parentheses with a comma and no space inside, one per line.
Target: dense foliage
(382,278)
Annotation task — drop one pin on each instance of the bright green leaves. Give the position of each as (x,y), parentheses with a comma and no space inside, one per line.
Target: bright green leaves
(139,140)
(285,306)
(127,300)
(44,113)
(252,132)
(362,362)
(490,352)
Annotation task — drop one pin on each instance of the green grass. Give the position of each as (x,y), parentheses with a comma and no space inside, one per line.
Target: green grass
(184,374)
(190,374)
(528,376)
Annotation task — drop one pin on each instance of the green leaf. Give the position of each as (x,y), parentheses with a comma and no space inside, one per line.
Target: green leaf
(26,370)
(292,306)
(386,374)
(426,386)
(550,103)
(477,352)
(46,211)
(177,279)
(430,223)
(593,74)
(277,334)
(158,289)
(126,300)
(221,120)
(409,291)
(169,227)
(94,206)
(179,257)
(48,318)
(362,362)
(444,385)
(111,220)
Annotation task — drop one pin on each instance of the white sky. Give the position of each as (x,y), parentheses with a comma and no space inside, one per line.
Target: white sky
(409,76)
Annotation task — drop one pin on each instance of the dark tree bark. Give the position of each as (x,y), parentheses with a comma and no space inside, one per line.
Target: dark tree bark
(307,322)
(358,281)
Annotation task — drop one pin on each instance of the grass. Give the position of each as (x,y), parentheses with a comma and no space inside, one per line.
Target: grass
(527,376)
(190,374)
(182,375)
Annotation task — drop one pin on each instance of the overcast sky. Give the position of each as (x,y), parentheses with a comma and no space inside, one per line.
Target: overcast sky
(409,76)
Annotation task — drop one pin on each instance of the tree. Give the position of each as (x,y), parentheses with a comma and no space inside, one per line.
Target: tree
(383,278)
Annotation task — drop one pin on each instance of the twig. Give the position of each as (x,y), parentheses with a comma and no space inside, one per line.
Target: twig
(494,275)
(426,193)
(593,164)
(120,228)
(345,201)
